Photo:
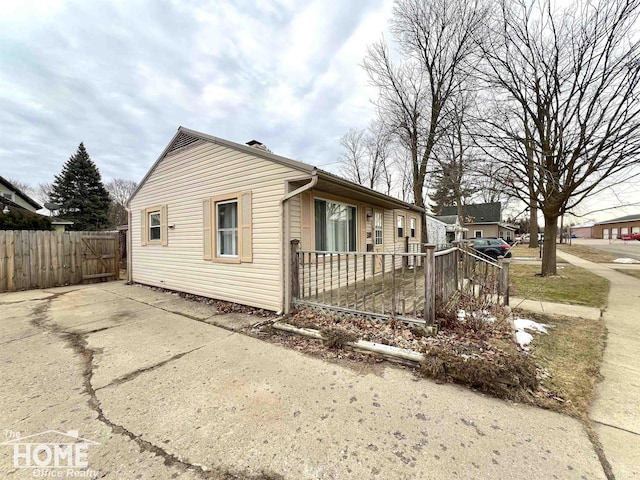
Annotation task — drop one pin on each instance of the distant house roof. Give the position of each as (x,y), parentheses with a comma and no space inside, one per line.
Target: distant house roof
(20,193)
(626,218)
(584,225)
(448,219)
(480,212)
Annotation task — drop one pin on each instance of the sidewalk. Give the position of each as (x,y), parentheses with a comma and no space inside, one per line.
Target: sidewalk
(567,310)
(616,409)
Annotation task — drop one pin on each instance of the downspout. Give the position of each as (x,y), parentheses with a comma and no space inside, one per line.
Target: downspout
(284,241)
(129,249)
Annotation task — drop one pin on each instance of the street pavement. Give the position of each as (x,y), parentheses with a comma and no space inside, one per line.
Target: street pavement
(166,393)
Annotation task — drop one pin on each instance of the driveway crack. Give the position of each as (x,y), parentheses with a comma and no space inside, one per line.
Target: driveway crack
(130,376)
(77,341)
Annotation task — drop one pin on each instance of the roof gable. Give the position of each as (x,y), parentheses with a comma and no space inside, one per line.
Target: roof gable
(185,137)
(479,212)
(20,193)
(626,218)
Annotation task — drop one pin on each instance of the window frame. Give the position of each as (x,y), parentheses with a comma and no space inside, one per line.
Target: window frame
(150,227)
(412,227)
(399,227)
(378,228)
(219,230)
(145,219)
(219,200)
(475,234)
(355,224)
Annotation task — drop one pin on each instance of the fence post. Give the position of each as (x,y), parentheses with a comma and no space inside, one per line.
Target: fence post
(429,285)
(405,259)
(504,281)
(294,270)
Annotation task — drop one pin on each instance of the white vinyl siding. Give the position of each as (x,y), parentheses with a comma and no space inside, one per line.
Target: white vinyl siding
(184,180)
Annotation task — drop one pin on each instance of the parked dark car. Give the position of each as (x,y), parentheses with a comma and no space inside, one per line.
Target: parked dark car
(492,247)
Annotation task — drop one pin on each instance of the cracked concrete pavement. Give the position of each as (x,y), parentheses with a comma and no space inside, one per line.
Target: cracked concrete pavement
(168,394)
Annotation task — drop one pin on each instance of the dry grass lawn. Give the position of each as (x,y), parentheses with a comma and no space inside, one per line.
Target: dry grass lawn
(571,354)
(524,251)
(572,285)
(628,271)
(587,253)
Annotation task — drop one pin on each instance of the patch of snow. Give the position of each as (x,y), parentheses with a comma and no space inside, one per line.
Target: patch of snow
(626,260)
(525,324)
(462,315)
(489,319)
(522,336)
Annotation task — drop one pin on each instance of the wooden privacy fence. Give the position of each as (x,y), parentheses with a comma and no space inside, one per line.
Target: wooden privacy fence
(42,259)
(407,286)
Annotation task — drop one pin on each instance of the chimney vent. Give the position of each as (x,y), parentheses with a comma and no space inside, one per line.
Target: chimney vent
(257,144)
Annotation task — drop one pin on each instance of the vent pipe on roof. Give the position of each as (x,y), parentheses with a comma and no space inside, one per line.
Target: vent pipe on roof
(257,144)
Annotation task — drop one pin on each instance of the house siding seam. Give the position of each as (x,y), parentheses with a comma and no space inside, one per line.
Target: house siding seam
(182,181)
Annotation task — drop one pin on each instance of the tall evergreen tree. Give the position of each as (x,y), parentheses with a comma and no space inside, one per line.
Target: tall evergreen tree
(80,193)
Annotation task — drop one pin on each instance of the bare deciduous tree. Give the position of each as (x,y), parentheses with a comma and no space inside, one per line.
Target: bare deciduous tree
(575,74)
(119,190)
(366,157)
(436,39)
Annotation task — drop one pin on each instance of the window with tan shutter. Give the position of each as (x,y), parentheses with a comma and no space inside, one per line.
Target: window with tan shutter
(228,228)
(153,226)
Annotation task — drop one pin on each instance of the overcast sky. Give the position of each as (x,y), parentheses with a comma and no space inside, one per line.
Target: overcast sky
(121,76)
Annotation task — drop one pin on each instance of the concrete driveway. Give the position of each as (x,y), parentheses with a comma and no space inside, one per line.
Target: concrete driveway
(628,249)
(166,394)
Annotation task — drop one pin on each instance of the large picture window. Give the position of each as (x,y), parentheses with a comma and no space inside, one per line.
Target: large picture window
(227,228)
(335,225)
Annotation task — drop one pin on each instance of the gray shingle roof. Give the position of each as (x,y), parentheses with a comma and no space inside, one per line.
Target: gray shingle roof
(480,212)
(626,218)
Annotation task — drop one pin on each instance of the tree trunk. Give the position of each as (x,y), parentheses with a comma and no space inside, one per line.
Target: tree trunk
(460,215)
(549,246)
(533,224)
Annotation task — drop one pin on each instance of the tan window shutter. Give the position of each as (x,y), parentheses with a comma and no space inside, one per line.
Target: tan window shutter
(143,227)
(306,219)
(206,229)
(164,231)
(246,229)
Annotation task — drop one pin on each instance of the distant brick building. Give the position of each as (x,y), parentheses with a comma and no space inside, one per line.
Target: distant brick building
(612,229)
(582,231)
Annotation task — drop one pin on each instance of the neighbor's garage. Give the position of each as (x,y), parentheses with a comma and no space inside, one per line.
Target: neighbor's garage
(617,228)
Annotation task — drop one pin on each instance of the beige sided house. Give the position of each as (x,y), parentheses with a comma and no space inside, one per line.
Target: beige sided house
(216,218)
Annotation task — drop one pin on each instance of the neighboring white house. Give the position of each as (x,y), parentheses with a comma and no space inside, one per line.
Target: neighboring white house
(444,229)
(216,218)
(10,192)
